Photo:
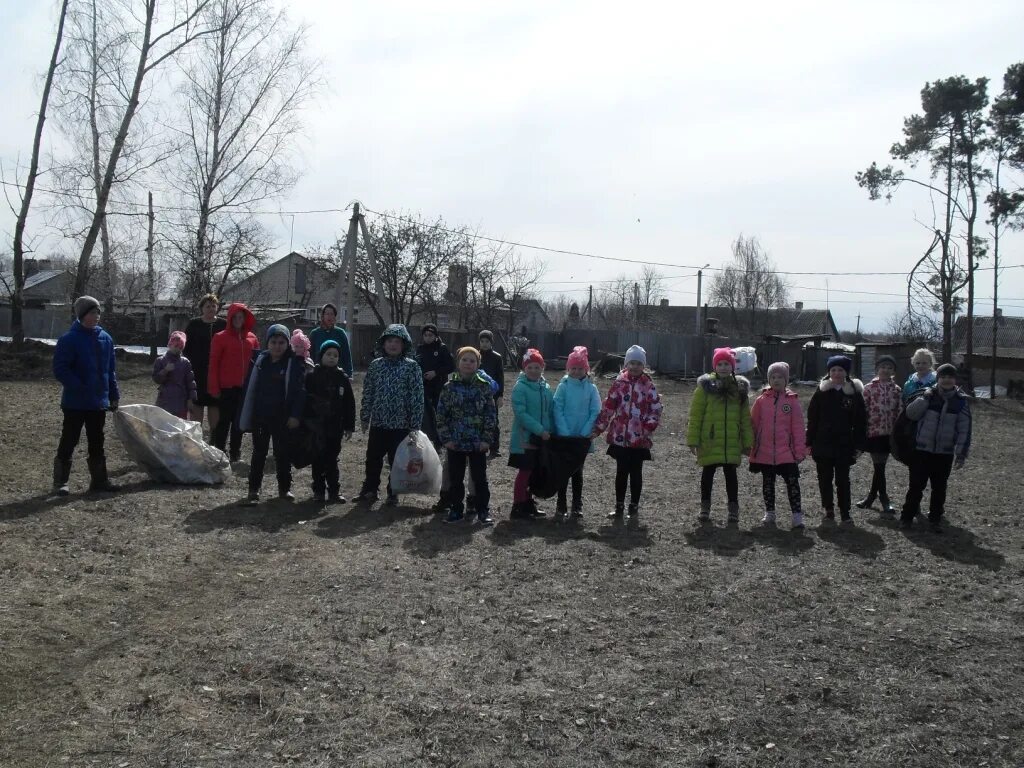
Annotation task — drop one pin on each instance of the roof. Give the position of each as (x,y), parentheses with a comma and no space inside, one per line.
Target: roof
(733,323)
(42,277)
(1010,341)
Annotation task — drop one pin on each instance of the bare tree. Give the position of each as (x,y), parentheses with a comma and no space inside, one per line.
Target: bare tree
(907,325)
(18,261)
(651,285)
(245,87)
(520,280)
(749,285)
(615,302)
(154,47)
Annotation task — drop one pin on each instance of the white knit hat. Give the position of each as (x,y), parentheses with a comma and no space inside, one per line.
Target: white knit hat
(636,352)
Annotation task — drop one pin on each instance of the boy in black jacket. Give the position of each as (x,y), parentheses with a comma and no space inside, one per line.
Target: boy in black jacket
(331,410)
(493,365)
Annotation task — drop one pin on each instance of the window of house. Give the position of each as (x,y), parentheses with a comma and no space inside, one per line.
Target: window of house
(300,278)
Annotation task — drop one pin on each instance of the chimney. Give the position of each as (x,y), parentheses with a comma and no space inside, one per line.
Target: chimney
(31,267)
(799,306)
(664,302)
(457,279)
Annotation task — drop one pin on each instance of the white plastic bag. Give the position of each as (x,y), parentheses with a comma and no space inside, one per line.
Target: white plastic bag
(169,449)
(417,468)
(746,359)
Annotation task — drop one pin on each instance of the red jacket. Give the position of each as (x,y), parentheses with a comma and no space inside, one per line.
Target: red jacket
(778,428)
(231,352)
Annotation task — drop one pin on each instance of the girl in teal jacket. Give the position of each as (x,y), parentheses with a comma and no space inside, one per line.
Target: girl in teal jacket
(577,406)
(533,420)
(720,431)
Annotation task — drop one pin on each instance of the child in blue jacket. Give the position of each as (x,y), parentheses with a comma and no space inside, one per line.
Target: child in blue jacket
(533,422)
(577,406)
(84,364)
(275,396)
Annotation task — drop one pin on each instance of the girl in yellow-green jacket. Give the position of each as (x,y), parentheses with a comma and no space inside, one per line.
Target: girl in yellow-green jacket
(720,432)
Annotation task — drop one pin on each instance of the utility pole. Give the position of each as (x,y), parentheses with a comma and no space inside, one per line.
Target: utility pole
(696,314)
(857,332)
(346,284)
(590,306)
(152,284)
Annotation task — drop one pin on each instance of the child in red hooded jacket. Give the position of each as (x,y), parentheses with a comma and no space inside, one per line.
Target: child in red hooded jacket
(231,355)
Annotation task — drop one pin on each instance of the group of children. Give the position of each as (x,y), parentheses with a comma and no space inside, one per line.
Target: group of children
(292,387)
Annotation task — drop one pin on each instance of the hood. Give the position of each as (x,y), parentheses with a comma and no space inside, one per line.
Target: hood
(851,386)
(250,318)
(395,329)
(541,384)
(567,379)
(767,391)
(712,383)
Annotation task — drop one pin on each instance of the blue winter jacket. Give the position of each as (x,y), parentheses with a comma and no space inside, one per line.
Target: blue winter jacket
(393,387)
(84,363)
(915,385)
(943,421)
(533,412)
(577,406)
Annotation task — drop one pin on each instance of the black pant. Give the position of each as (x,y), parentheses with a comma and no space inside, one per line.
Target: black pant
(380,443)
(838,468)
(262,436)
(324,468)
(628,470)
(927,468)
(230,404)
(707,482)
(71,432)
(790,475)
(477,461)
(576,478)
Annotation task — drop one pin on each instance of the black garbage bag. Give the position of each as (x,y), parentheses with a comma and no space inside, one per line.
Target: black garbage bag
(557,459)
(302,444)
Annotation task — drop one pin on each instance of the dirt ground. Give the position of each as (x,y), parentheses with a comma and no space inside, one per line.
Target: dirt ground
(167,626)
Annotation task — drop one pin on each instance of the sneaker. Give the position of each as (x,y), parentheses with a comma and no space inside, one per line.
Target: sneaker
(335,498)
(768,519)
(561,509)
(533,510)
(252,499)
(484,518)
(365,496)
(633,511)
(866,502)
(454,516)
(391,500)
(617,513)
(798,521)
(577,509)
(287,496)
(61,490)
(705,514)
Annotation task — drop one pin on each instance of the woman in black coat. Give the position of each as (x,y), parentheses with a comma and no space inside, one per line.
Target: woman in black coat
(198,336)
(837,425)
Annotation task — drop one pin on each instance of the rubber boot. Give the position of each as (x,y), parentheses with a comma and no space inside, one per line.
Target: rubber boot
(61,474)
(705,511)
(98,473)
(734,512)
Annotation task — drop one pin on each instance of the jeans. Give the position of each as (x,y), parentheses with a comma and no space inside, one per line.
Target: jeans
(477,461)
(927,468)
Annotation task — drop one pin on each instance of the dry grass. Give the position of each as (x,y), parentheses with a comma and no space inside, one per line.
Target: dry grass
(170,627)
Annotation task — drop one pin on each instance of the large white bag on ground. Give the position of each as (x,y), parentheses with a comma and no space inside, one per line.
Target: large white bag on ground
(417,468)
(746,359)
(169,449)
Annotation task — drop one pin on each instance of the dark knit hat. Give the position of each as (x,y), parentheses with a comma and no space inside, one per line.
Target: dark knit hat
(486,335)
(327,306)
(429,327)
(842,361)
(885,359)
(329,344)
(84,305)
(946,369)
(278,330)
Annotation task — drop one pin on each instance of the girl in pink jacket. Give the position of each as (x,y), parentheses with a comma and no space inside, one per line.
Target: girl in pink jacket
(779,444)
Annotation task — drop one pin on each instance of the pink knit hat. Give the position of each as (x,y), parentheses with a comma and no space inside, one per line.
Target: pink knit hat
(533,356)
(723,354)
(579,358)
(178,339)
(300,343)
(780,368)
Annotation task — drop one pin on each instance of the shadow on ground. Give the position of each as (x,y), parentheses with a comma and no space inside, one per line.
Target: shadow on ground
(957,544)
(852,538)
(269,516)
(725,542)
(43,502)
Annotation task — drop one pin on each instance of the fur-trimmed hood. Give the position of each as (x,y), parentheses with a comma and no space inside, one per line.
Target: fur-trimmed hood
(714,384)
(851,385)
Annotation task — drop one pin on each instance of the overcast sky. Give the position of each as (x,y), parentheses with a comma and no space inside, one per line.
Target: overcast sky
(655,131)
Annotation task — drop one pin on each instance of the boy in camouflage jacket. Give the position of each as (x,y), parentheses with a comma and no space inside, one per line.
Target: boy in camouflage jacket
(467,425)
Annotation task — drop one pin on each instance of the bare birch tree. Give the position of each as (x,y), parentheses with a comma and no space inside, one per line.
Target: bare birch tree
(18,260)
(244,91)
(153,45)
(749,285)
